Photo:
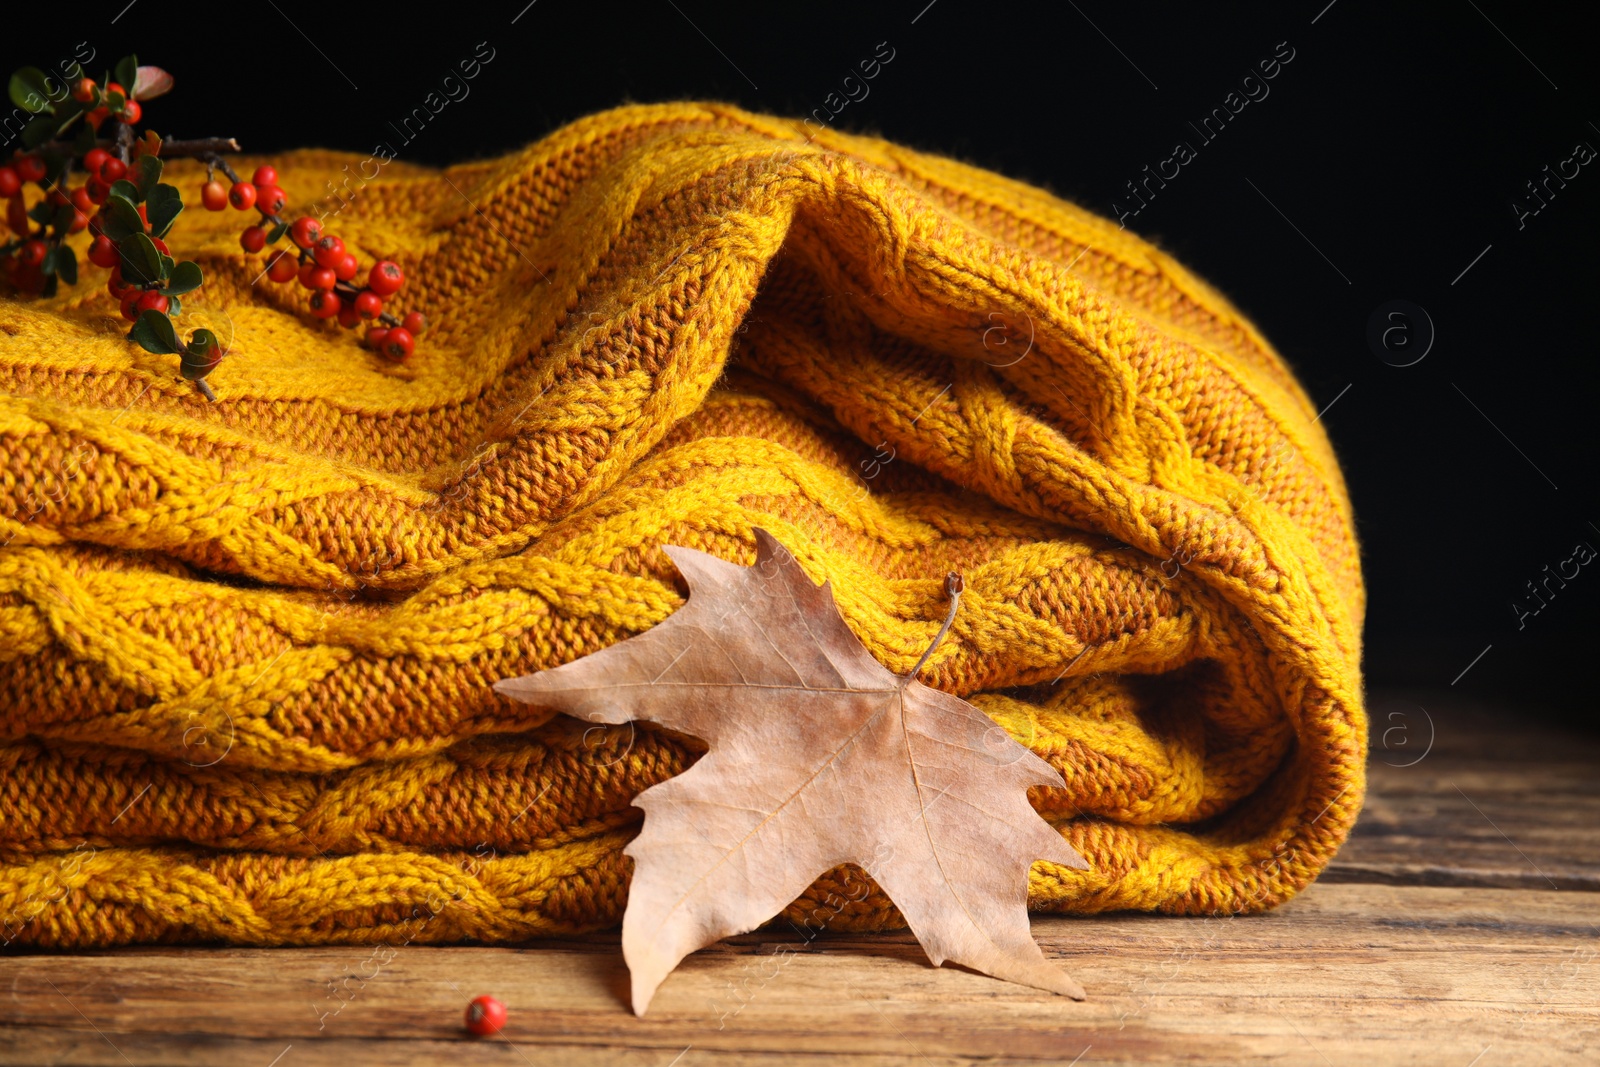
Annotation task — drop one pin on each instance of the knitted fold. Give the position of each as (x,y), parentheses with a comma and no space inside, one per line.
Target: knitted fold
(246,648)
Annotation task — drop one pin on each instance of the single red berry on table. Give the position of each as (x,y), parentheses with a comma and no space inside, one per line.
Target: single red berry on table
(347,268)
(270,198)
(368,305)
(398,343)
(282,266)
(10,182)
(265,175)
(414,323)
(329,251)
(112,170)
(486,1016)
(385,278)
(31,168)
(103,252)
(305,231)
(214,195)
(132,111)
(83,90)
(325,303)
(253,239)
(242,196)
(375,335)
(349,318)
(32,253)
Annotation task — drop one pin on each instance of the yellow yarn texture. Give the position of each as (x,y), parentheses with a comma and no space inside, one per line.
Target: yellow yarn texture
(246,648)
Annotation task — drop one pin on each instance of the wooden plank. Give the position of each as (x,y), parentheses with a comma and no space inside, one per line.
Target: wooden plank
(1459,795)
(1342,974)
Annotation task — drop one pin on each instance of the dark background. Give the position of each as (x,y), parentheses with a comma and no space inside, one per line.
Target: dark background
(1383,162)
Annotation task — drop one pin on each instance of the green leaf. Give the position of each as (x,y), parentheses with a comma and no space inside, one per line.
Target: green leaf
(145,172)
(67,265)
(47,266)
(123,187)
(128,72)
(163,207)
(39,129)
(30,90)
(186,278)
(70,112)
(114,101)
(279,228)
(62,220)
(153,332)
(141,262)
(40,212)
(49,287)
(174,306)
(121,218)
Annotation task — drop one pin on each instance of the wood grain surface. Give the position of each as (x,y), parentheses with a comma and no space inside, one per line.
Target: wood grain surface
(1459,927)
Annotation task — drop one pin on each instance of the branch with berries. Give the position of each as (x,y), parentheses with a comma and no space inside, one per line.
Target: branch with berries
(85,126)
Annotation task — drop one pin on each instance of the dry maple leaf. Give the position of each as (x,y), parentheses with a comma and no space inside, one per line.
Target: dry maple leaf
(817,756)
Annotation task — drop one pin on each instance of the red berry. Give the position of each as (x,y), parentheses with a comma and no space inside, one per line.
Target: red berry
(264,176)
(349,318)
(270,198)
(79,223)
(414,323)
(385,278)
(161,246)
(282,266)
(31,169)
(94,159)
(103,252)
(99,191)
(368,305)
(329,251)
(375,335)
(486,1016)
(115,284)
(154,301)
(56,198)
(10,182)
(214,195)
(398,343)
(132,111)
(17,216)
(242,196)
(96,117)
(32,253)
(113,87)
(305,232)
(325,303)
(81,201)
(83,90)
(112,170)
(253,239)
(322,277)
(347,267)
(130,304)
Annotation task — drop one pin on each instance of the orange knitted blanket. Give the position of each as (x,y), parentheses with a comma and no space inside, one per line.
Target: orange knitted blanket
(246,648)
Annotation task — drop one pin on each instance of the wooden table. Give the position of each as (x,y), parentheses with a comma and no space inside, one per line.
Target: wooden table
(1460,926)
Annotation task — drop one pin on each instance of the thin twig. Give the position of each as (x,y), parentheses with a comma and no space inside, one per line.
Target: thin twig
(953,585)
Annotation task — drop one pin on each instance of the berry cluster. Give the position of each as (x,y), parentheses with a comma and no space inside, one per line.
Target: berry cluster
(323,265)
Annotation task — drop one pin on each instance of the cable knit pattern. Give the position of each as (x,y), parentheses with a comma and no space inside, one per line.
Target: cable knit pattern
(246,648)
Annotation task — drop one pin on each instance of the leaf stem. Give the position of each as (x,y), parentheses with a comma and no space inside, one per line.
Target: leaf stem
(953,585)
